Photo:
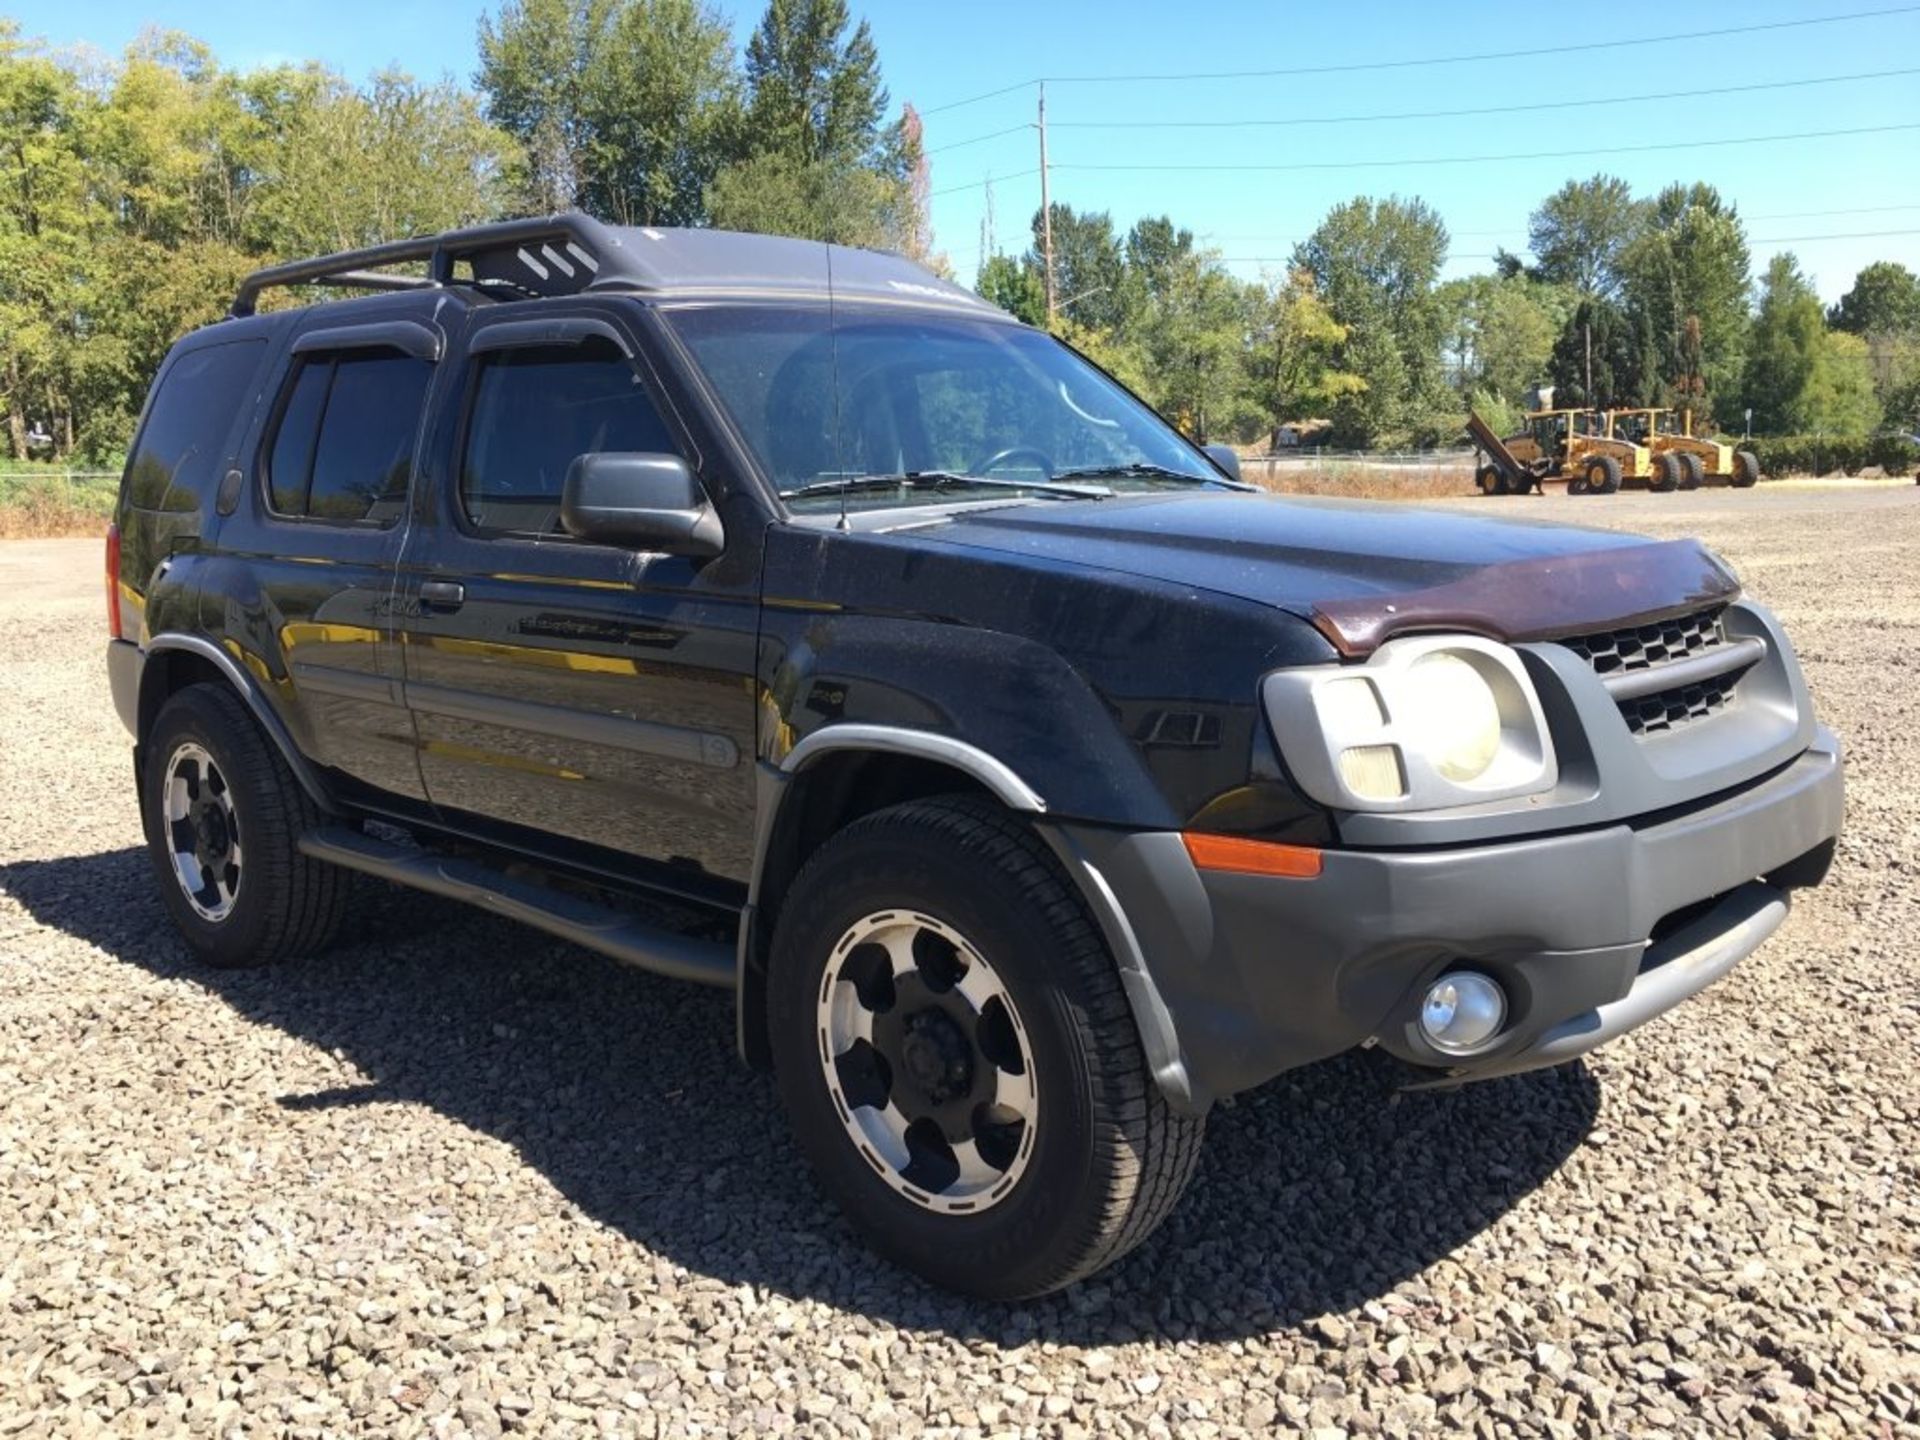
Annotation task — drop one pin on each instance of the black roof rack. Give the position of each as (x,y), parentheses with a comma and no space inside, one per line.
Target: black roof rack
(566,254)
(546,255)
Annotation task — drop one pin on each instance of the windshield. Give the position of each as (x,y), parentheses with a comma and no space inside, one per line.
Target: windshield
(918,409)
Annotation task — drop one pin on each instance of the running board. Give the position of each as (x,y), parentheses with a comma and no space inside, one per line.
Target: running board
(597,927)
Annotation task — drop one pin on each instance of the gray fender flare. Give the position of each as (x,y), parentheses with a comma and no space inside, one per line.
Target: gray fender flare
(1152,1019)
(268,718)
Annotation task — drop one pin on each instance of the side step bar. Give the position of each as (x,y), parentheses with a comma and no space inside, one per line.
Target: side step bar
(597,927)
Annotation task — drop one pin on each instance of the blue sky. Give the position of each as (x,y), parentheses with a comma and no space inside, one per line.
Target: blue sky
(1831,200)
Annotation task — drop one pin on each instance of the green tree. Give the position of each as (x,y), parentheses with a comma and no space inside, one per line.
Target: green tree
(1605,357)
(1500,331)
(820,163)
(1090,283)
(1015,287)
(1841,400)
(1686,279)
(1884,300)
(1784,357)
(1194,324)
(1580,232)
(1293,355)
(624,108)
(1376,263)
(353,167)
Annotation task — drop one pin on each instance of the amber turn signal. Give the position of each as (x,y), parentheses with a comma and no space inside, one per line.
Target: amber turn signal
(1251,857)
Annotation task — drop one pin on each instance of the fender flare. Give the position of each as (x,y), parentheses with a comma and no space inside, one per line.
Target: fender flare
(267,717)
(1152,1019)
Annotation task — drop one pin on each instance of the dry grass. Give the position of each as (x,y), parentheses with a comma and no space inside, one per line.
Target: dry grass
(46,505)
(1364,482)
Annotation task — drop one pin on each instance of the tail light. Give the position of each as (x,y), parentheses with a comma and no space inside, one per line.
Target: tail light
(113,581)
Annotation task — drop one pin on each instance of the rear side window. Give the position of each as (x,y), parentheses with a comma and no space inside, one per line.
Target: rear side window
(343,446)
(533,411)
(175,461)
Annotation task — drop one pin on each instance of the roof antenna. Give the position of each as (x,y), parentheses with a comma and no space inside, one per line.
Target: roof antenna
(833,370)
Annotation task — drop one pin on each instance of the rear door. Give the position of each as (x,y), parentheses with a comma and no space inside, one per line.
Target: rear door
(318,511)
(569,692)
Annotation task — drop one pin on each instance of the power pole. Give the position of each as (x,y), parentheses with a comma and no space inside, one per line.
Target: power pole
(1046,209)
(989,239)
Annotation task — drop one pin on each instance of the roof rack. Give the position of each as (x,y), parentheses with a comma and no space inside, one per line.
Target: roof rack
(544,255)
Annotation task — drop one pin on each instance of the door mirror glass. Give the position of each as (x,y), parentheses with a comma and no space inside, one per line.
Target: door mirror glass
(646,501)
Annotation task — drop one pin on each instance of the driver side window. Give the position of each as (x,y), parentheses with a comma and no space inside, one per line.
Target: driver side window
(532,411)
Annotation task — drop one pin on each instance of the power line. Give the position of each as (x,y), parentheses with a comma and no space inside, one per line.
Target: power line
(1530,53)
(1265,237)
(1492,159)
(980,184)
(982,139)
(1438,114)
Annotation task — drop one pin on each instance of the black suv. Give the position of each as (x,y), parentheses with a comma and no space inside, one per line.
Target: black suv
(1048,784)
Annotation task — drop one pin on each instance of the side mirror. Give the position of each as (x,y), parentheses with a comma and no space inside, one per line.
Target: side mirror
(1226,458)
(649,502)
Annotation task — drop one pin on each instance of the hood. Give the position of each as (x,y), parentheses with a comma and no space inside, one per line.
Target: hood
(1362,570)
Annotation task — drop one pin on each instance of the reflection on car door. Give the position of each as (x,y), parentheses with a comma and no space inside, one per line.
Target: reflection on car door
(562,687)
(312,538)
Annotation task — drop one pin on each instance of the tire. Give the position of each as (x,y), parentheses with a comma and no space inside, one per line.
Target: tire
(260,899)
(1489,481)
(1099,1159)
(1576,484)
(1603,475)
(1746,468)
(1668,472)
(1693,471)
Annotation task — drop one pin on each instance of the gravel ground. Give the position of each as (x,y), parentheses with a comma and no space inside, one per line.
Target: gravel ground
(458,1178)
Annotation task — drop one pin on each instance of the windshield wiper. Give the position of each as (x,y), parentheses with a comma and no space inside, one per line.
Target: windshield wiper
(945,480)
(1138,469)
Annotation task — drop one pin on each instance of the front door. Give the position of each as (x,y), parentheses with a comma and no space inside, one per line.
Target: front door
(562,688)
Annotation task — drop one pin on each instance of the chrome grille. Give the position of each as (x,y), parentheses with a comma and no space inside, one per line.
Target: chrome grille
(1616,654)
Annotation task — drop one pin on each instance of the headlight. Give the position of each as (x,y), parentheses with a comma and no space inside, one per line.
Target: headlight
(1429,721)
(1458,715)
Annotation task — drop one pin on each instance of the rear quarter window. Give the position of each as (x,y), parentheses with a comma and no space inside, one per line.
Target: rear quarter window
(342,448)
(176,457)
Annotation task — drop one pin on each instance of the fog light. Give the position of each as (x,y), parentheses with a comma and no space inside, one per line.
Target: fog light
(1462,1012)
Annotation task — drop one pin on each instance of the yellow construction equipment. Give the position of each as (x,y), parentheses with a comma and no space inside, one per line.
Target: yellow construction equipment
(1578,445)
(1681,459)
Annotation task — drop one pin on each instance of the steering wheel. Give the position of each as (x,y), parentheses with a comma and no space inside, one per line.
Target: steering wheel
(1014,452)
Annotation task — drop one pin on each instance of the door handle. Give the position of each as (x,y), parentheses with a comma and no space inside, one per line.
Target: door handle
(442,594)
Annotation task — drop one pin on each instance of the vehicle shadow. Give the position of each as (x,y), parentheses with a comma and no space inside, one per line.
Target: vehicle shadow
(1317,1193)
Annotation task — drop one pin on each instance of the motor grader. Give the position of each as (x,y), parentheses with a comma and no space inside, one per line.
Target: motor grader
(1681,459)
(1577,445)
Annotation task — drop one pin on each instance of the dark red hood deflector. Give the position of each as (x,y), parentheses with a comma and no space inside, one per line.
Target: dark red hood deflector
(1541,598)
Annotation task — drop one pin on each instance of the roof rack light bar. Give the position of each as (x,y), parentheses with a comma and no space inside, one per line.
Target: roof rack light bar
(529,244)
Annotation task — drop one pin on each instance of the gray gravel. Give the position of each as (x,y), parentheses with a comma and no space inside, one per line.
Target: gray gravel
(456,1178)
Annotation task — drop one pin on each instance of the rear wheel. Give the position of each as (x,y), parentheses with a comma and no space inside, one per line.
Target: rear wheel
(1603,475)
(223,816)
(1746,468)
(958,1059)
(1692,471)
(1668,472)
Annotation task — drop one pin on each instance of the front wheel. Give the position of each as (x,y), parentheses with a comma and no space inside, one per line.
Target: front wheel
(1603,475)
(1668,472)
(1746,468)
(958,1058)
(1692,471)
